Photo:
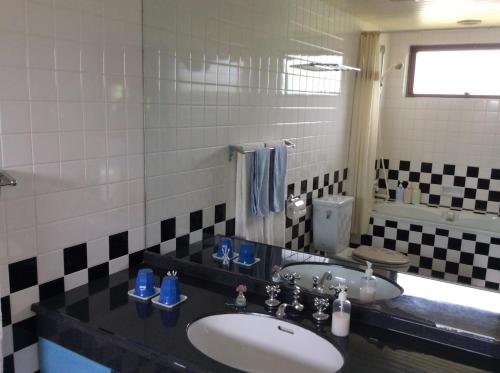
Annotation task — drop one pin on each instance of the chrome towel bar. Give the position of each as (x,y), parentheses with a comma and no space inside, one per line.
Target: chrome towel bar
(6,179)
(242,150)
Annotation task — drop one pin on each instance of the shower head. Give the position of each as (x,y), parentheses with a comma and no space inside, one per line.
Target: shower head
(396,66)
(399,66)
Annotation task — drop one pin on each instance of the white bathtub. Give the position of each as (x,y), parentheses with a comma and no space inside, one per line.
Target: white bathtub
(465,220)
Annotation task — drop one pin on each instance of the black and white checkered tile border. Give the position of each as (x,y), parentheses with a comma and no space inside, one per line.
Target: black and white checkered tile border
(450,254)
(200,227)
(481,185)
(299,234)
(20,336)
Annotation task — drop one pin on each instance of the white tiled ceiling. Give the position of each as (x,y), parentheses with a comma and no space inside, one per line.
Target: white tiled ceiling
(393,15)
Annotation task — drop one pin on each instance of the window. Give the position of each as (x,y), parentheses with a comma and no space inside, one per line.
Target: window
(470,70)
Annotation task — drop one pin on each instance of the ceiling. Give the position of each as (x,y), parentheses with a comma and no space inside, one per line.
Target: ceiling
(396,15)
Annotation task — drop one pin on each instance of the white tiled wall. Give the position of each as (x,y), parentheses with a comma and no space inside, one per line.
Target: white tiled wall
(459,131)
(71,133)
(217,73)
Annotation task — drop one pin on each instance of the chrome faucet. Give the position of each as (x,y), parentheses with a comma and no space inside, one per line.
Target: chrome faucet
(319,284)
(296,305)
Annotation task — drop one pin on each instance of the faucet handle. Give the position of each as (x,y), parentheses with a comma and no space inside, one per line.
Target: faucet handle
(291,277)
(321,304)
(315,282)
(272,291)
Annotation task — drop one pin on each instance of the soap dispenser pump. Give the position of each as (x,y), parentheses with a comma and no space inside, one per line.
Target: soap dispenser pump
(368,285)
(341,315)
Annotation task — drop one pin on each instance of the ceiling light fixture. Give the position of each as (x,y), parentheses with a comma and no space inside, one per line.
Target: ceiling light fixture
(469,22)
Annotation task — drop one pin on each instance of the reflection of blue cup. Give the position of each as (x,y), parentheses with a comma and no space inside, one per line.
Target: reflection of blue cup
(225,244)
(170,290)
(144,310)
(169,318)
(247,253)
(144,283)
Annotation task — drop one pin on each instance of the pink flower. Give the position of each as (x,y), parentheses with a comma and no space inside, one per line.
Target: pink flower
(276,268)
(241,289)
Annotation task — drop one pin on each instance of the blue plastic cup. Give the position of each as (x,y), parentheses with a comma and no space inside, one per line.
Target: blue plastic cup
(170,290)
(225,244)
(144,283)
(247,253)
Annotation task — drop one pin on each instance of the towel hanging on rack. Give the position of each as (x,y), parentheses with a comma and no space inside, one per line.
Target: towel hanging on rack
(259,182)
(277,177)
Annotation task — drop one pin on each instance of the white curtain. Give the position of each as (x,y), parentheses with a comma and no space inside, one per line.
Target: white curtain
(364,130)
(270,229)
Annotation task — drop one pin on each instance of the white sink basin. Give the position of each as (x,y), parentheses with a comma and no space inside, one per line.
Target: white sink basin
(260,343)
(351,277)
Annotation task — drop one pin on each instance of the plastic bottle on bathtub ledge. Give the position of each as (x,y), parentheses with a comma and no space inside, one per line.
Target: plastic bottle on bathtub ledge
(407,194)
(399,192)
(415,196)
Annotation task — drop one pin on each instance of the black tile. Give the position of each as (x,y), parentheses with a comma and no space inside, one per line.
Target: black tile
(330,189)
(220,212)
(464,280)
(320,192)
(154,249)
(428,239)
(301,242)
(81,309)
(425,187)
(391,224)
(491,285)
(482,248)
(118,245)
(23,274)
(470,193)
(416,228)
(288,222)
(326,180)
(6,318)
(442,232)
(437,274)
(288,245)
(413,269)
(315,182)
(469,236)
(494,263)
(439,253)
(195,220)
(436,179)
(495,173)
(307,227)
(344,174)
(403,235)
(303,186)
(393,175)
(472,171)
(182,242)
(467,258)
(168,229)
(309,199)
(136,258)
(414,248)
(99,271)
(449,169)
(480,205)
(425,262)
(483,184)
(404,165)
(389,244)
(51,288)
(494,196)
(381,183)
(208,232)
(479,273)
(366,240)
(459,181)
(295,231)
(451,268)
(24,333)
(392,194)
(8,364)
(454,243)
(434,199)
(426,167)
(378,231)
(414,177)
(290,189)
(336,177)
(457,202)
(386,164)
(231,227)
(495,241)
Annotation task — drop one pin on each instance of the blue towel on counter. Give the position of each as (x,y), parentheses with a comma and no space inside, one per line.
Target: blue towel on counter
(259,182)
(278,178)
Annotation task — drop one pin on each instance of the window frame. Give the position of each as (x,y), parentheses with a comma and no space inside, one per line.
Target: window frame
(414,49)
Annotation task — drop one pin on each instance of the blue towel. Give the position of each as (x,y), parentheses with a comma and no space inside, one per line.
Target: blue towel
(278,178)
(259,182)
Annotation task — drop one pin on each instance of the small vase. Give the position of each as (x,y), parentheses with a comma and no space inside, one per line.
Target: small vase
(241,301)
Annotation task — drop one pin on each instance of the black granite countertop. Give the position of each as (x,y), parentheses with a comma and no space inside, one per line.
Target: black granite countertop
(101,322)
(462,326)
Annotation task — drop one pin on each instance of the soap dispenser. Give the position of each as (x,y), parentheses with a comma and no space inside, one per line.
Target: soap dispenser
(407,194)
(341,315)
(400,192)
(368,285)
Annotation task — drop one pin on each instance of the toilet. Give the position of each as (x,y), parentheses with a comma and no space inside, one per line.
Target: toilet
(332,217)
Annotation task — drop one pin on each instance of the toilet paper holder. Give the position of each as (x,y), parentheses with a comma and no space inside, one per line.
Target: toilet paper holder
(295,207)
